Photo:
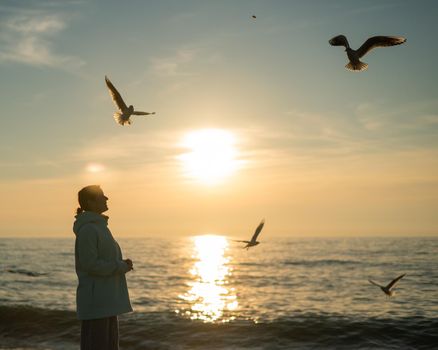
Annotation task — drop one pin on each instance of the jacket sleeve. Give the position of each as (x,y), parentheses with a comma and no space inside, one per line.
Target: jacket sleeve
(86,248)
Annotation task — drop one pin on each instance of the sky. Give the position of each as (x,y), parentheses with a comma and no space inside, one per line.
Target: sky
(255,117)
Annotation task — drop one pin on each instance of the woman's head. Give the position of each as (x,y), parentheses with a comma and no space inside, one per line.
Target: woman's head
(92,198)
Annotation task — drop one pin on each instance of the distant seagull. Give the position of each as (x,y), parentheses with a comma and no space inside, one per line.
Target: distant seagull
(124,113)
(253,16)
(253,242)
(388,290)
(354,55)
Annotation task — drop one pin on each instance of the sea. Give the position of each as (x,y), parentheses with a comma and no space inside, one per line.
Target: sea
(207,292)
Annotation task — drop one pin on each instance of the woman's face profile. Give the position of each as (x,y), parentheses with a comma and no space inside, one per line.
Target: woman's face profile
(99,203)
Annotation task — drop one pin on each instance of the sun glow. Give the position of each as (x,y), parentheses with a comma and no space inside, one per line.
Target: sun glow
(212,155)
(95,168)
(209,295)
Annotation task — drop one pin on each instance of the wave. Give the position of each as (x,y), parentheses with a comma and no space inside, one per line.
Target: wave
(26,272)
(310,263)
(321,262)
(165,330)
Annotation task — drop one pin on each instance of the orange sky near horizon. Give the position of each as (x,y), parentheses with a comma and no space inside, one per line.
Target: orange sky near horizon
(373,195)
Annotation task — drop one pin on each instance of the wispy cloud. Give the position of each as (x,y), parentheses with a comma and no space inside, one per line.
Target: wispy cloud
(372,8)
(27,36)
(125,153)
(174,65)
(372,130)
(130,150)
(414,120)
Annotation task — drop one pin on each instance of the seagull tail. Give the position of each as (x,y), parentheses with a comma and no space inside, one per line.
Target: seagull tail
(118,118)
(356,67)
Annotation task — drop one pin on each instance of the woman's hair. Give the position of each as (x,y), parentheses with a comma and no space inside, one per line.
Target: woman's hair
(86,194)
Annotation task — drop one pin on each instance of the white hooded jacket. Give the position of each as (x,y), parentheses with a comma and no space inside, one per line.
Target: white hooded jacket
(102,290)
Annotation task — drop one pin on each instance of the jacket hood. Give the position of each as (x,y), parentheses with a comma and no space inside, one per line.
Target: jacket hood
(87,217)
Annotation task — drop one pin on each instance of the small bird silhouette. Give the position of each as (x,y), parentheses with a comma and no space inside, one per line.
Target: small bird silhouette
(253,16)
(354,55)
(389,289)
(124,112)
(253,242)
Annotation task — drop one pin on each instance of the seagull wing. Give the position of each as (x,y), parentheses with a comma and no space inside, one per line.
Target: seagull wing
(376,284)
(339,40)
(394,281)
(235,240)
(379,41)
(115,95)
(142,113)
(258,230)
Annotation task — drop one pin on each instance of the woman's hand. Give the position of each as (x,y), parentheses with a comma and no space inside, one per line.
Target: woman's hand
(129,263)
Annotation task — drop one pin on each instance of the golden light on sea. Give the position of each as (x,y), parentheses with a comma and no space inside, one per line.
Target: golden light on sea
(209,295)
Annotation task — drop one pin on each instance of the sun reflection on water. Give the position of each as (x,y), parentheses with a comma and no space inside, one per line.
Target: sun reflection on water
(209,296)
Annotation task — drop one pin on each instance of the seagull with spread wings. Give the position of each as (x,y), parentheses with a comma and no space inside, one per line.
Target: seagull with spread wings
(389,289)
(122,116)
(253,242)
(354,56)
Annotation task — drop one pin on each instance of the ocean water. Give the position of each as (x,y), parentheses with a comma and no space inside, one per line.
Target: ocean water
(206,292)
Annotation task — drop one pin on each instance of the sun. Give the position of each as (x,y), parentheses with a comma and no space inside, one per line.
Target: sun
(211,157)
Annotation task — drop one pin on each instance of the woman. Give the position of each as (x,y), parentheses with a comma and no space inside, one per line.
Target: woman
(102,293)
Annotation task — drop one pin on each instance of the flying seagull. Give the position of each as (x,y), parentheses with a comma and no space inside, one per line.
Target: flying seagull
(354,56)
(388,290)
(253,242)
(124,113)
(254,16)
